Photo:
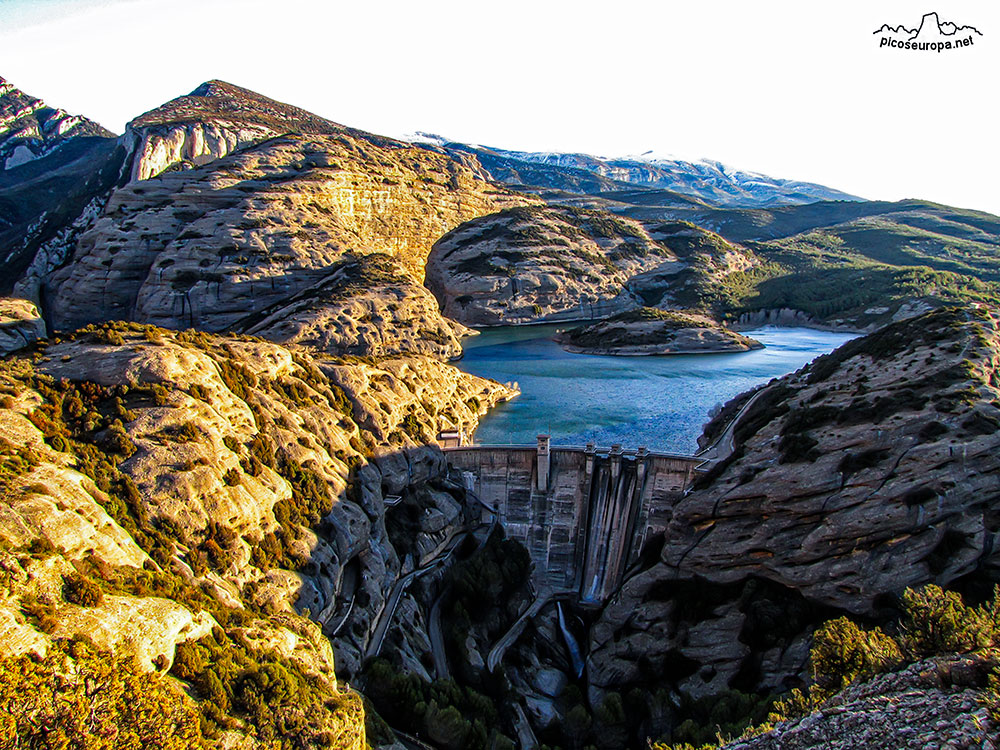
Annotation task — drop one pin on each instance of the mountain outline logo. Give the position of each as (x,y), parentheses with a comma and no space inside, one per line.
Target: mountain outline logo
(932,35)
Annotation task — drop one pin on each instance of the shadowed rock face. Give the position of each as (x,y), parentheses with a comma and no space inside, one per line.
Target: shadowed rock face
(873,469)
(50,162)
(20,324)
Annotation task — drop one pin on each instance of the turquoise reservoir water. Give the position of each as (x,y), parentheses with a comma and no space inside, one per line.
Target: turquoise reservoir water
(659,402)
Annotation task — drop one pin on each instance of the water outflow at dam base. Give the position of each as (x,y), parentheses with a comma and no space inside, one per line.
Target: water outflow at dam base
(585,514)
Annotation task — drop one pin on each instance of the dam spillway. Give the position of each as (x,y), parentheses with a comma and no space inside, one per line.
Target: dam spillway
(584,514)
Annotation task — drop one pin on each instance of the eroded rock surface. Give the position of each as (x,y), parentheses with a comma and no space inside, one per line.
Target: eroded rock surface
(871,470)
(536,264)
(649,331)
(367,306)
(20,324)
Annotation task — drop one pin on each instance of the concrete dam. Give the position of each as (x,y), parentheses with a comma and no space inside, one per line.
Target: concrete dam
(585,514)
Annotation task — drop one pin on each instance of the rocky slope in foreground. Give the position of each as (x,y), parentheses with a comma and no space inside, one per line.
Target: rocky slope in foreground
(934,703)
(873,469)
(649,331)
(181,496)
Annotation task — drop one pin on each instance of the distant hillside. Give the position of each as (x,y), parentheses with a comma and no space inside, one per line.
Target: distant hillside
(709,181)
(30,129)
(911,254)
(846,263)
(47,159)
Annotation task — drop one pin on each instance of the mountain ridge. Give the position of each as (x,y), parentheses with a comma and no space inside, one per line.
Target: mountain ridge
(707,179)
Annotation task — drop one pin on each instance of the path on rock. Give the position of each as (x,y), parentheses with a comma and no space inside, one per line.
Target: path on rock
(501,646)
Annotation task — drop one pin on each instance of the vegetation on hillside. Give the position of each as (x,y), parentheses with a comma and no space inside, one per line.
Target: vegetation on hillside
(933,622)
(78,697)
(871,263)
(238,683)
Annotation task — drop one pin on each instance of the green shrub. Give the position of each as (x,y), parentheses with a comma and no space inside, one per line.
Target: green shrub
(938,622)
(82,591)
(842,653)
(79,698)
(991,695)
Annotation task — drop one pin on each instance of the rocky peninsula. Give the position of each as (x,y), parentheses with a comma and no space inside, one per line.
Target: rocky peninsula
(648,331)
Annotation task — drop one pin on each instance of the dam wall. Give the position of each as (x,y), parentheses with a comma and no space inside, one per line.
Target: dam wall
(584,514)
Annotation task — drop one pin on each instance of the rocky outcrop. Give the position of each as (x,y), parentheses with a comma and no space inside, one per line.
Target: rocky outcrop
(214,120)
(871,470)
(52,520)
(240,482)
(538,264)
(29,129)
(534,264)
(649,331)
(368,306)
(20,324)
(205,247)
(933,703)
(211,427)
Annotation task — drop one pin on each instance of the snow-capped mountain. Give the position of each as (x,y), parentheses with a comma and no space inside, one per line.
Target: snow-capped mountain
(705,179)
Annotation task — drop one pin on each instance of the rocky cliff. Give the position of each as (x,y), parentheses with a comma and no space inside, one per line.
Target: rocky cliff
(873,469)
(229,203)
(214,120)
(248,478)
(204,247)
(50,166)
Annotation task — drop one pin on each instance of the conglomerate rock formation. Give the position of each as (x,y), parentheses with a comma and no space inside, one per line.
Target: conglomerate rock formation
(228,460)
(203,248)
(549,264)
(870,470)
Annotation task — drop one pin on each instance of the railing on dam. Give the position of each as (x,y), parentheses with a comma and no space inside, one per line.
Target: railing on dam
(585,513)
(629,452)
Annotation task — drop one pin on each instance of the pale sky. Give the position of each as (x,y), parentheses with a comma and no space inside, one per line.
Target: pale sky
(790,88)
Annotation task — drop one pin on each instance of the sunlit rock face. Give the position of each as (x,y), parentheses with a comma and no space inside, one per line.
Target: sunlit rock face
(255,205)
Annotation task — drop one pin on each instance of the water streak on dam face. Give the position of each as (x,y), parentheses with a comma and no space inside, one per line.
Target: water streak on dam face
(584,514)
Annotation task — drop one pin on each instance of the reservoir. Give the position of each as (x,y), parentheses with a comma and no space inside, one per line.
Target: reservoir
(660,402)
